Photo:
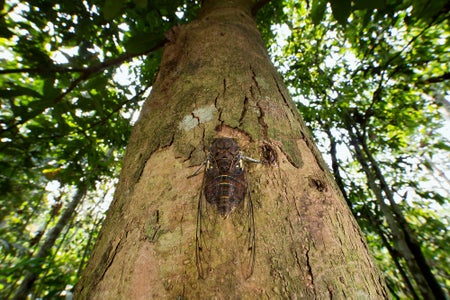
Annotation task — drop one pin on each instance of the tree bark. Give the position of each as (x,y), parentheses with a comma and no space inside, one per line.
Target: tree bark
(216,80)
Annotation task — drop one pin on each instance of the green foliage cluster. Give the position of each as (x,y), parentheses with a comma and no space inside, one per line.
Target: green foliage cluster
(370,77)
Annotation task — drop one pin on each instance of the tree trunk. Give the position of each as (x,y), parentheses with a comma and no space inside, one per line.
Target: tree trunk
(216,80)
(430,288)
(32,274)
(403,237)
(372,218)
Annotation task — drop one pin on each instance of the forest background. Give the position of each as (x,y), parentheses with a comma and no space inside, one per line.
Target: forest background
(370,79)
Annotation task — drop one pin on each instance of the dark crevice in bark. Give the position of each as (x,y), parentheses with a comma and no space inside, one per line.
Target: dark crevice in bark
(195,117)
(216,105)
(254,79)
(310,273)
(224,87)
(172,138)
(297,259)
(141,166)
(318,184)
(262,122)
(190,154)
(243,112)
(108,260)
(330,292)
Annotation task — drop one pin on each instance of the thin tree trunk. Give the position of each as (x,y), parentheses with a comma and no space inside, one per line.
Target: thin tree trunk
(395,257)
(40,287)
(31,275)
(335,168)
(373,219)
(216,80)
(84,257)
(413,244)
(400,235)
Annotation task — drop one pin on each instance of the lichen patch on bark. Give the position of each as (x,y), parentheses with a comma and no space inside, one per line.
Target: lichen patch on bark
(198,116)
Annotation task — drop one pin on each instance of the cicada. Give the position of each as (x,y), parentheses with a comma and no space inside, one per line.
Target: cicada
(225,193)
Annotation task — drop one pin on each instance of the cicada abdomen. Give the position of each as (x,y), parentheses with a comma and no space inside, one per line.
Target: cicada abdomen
(225,184)
(225,193)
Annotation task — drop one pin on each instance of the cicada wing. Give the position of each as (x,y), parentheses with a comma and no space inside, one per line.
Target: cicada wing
(244,224)
(205,225)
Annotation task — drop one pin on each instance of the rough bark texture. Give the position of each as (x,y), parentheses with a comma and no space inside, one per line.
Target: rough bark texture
(216,79)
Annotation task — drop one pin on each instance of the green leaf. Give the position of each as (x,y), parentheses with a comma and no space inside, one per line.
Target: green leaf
(426,9)
(369,4)
(49,91)
(19,91)
(38,106)
(4,31)
(442,145)
(141,3)
(317,10)
(142,42)
(428,165)
(341,10)
(113,8)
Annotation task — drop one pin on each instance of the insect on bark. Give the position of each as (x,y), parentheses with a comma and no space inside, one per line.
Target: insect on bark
(225,191)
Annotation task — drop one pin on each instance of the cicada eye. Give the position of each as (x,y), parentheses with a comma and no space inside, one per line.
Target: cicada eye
(239,166)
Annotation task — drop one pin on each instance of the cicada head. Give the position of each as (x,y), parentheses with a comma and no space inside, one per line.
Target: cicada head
(225,155)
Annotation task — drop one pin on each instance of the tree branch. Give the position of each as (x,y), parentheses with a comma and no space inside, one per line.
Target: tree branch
(444,77)
(86,71)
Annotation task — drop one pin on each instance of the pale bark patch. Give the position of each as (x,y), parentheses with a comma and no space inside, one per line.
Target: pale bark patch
(199,116)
